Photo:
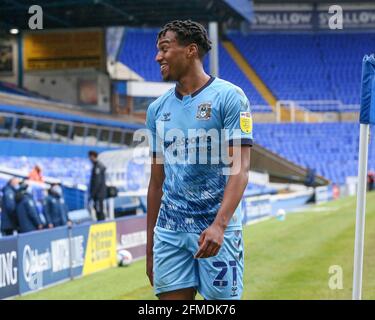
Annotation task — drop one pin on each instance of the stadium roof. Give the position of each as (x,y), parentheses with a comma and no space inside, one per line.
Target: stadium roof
(101,13)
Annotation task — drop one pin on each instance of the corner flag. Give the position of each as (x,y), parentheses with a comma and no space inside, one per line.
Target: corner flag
(367,117)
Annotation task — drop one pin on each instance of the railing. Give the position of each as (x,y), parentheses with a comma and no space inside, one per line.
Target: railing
(37,128)
(299,110)
(51,105)
(261,108)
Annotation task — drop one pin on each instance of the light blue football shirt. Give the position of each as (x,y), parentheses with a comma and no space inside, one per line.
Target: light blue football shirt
(192,134)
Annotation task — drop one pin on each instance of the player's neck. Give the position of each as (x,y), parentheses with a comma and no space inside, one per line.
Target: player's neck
(195,79)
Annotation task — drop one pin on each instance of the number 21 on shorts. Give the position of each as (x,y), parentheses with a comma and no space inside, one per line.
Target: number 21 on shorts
(219,280)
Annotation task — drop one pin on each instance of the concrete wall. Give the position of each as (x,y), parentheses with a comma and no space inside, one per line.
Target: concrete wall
(65,86)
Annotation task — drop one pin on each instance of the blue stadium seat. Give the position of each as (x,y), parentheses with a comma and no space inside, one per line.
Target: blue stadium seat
(329,148)
(309,66)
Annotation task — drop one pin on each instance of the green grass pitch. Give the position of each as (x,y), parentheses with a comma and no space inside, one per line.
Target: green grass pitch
(283,260)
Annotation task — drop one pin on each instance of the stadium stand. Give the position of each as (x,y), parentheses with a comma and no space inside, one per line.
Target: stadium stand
(329,148)
(69,170)
(85,128)
(139,47)
(319,67)
(231,72)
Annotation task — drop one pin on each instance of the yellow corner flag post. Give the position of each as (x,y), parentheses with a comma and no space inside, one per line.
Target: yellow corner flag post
(367,117)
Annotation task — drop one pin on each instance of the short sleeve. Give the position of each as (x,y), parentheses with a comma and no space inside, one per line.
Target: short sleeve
(151,131)
(238,122)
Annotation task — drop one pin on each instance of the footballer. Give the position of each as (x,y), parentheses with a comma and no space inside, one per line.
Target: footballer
(200,137)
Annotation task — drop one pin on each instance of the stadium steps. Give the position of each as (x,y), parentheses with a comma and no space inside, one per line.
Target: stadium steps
(261,87)
(250,73)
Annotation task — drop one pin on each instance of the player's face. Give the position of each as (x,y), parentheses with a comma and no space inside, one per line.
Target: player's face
(172,57)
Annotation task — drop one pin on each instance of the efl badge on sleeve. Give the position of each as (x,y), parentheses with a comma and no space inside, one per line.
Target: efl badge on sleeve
(246,122)
(204,111)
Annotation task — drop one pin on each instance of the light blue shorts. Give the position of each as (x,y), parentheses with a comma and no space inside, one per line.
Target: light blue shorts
(215,278)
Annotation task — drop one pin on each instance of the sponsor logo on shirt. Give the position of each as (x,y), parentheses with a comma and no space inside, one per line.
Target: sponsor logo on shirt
(166,116)
(246,122)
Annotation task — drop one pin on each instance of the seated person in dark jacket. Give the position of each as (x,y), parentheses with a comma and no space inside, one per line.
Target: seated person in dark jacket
(55,210)
(9,221)
(27,211)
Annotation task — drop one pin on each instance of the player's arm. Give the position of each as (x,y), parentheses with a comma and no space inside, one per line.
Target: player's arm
(212,238)
(154,195)
(236,185)
(238,124)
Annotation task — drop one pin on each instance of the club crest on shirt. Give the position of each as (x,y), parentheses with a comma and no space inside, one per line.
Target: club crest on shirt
(204,111)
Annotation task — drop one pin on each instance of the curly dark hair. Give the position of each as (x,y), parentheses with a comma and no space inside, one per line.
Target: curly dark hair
(188,32)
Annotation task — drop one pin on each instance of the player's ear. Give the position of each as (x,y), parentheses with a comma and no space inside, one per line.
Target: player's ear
(192,51)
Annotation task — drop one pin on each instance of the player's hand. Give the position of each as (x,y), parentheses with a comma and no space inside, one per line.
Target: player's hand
(50,226)
(210,242)
(149,268)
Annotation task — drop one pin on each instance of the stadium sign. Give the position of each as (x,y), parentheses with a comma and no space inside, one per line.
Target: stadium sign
(33,266)
(323,194)
(67,253)
(100,251)
(131,235)
(306,17)
(43,258)
(256,207)
(282,20)
(8,267)
(34,260)
(354,19)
